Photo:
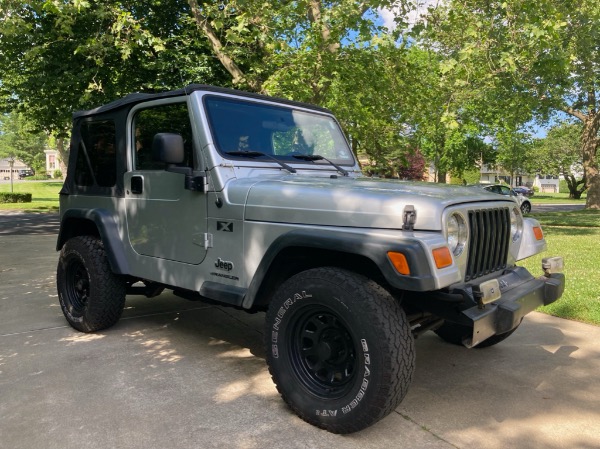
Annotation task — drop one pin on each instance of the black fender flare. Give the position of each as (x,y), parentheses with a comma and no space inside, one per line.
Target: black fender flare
(108,231)
(371,247)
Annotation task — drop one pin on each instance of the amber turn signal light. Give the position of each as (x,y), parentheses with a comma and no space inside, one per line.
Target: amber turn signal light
(442,257)
(537,231)
(399,262)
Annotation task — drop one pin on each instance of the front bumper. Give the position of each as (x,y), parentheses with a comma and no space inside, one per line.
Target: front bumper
(521,293)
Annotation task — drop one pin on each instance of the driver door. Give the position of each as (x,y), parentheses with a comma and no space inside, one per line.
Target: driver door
(164,220)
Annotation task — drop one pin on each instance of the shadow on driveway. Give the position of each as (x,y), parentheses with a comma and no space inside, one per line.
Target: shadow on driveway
(19,223)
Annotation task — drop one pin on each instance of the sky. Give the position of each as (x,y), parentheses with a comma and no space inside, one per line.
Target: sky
(387,15)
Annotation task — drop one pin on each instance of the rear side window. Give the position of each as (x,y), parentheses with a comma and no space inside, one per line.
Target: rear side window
(96,156)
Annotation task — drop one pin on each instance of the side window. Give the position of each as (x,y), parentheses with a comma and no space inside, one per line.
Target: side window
(96,157)
(169,118)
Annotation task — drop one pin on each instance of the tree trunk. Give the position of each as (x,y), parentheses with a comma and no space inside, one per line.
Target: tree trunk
(589,146)
(63,155)
(328,46)
(575,191)
(234,70)
(441,176)
(11,163)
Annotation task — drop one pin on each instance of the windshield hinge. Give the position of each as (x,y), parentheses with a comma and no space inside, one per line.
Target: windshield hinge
(409,218)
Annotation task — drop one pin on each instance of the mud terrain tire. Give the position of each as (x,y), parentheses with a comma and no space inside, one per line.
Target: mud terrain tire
(91,296)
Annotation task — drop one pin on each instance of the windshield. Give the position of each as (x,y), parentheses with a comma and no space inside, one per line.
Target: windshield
(280,132)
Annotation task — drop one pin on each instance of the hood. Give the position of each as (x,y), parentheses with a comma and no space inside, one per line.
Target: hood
(346,201)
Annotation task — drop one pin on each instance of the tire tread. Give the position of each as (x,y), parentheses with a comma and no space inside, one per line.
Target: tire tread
(382,311)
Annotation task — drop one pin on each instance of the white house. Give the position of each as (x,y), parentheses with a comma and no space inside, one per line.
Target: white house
(52,162)
(545,183)
(5,169)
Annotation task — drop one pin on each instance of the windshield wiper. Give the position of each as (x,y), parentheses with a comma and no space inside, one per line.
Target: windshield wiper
(247,153)
(318,157)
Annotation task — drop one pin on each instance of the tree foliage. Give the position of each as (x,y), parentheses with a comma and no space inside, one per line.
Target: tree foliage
(513,147)
(524,59)
(19,140)
(475,71)
(61,56)
(560,153)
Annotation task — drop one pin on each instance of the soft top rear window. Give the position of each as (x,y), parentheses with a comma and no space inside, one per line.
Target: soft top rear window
(96,156)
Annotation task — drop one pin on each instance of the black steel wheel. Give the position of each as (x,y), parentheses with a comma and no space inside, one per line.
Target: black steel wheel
(91,296)
(339,349)
(77,286)
(322,352)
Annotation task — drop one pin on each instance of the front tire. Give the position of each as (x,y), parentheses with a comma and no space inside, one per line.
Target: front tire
(91,296)
(339,349)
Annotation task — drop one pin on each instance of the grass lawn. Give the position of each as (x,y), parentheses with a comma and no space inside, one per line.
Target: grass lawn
(44,196)
(556,198)
(576,237)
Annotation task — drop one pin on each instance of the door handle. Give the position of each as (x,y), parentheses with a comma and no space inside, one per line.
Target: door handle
(137,185)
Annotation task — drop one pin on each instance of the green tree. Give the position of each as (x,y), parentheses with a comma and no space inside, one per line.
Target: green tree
(61,56)
(328,53)
(450,139)
(522,59)
(19,140)
(560,153)
(513,149)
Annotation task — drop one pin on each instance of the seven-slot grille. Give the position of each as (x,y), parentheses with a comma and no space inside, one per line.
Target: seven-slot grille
(488,241)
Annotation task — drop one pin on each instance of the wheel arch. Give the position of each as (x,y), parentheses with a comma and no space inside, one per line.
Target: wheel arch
(300,250)
(99,223)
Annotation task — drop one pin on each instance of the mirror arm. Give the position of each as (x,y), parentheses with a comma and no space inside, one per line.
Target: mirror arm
(194,180)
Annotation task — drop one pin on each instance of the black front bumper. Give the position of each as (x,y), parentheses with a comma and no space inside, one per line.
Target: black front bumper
(521,294)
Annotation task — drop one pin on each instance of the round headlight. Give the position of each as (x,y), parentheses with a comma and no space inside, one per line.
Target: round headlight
(456,233)
(516,224)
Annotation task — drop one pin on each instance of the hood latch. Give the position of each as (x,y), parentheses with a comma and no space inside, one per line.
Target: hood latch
(409,218)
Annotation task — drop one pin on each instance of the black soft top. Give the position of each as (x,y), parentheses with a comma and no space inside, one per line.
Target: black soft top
(132,99)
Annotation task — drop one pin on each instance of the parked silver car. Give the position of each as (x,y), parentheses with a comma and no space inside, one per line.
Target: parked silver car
(501,189)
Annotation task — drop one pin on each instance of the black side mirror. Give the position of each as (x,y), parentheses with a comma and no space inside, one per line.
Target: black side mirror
(168,148)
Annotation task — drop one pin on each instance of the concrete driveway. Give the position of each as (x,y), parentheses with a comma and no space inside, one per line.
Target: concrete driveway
(180,374)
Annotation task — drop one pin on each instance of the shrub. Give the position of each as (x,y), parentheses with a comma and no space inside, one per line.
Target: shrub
(57,174)
(7,197)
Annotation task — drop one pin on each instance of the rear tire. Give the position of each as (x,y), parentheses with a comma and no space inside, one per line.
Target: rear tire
(91,296)
(339,349)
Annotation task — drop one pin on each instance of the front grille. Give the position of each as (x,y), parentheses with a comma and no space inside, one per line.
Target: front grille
(488,242)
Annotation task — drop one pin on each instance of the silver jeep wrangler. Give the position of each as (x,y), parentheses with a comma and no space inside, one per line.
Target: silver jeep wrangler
(258,203)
